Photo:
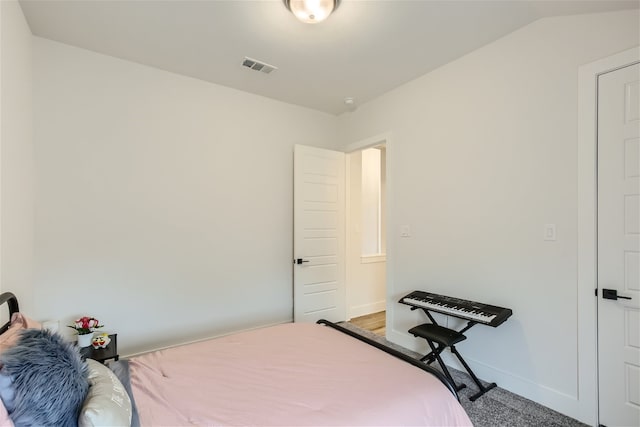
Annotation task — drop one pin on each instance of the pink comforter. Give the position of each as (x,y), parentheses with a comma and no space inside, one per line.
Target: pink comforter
(287,375)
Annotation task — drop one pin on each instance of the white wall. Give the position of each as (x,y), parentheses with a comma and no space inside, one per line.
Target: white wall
(484,154)
(164,202)
(16,155)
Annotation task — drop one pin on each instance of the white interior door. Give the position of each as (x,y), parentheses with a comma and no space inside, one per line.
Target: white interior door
(619,247)
(319,235)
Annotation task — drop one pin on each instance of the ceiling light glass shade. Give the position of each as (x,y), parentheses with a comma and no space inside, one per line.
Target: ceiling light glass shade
(311,11)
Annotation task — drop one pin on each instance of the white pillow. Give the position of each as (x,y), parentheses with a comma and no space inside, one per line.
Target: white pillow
(107,403)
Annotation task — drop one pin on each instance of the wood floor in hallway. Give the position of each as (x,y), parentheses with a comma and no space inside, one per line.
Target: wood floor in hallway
(374,322)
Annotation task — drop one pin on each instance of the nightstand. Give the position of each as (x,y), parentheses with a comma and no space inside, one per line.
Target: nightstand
(102,354)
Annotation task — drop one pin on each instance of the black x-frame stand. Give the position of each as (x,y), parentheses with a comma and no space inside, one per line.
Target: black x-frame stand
(439,338)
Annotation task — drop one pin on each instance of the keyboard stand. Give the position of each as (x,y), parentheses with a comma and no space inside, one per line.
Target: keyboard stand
(445,337)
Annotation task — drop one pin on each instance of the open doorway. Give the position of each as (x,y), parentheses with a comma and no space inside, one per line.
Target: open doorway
(366,195)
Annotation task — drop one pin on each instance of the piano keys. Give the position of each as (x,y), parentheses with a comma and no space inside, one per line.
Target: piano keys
(485,314)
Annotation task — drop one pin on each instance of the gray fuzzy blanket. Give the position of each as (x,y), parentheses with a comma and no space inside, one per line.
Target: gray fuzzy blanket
(43,380)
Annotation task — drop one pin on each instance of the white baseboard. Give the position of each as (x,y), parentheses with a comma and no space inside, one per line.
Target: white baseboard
(554,399)
(364,309)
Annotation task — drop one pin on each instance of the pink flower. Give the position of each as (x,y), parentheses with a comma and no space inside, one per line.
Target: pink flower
(86,325)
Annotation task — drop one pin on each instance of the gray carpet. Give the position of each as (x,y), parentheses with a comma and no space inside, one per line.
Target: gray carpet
(496,408)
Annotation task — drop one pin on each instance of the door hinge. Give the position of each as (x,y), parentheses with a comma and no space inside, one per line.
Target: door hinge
(596,291)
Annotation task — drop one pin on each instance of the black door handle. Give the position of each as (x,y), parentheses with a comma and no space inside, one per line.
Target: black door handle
(300,261)
(612,294)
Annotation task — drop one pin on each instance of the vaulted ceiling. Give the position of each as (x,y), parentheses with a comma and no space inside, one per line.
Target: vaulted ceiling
(363,50)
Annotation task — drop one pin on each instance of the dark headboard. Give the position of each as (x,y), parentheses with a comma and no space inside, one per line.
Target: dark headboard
(12,302)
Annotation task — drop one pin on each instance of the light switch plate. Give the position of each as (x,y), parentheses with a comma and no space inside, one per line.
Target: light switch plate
(550,232)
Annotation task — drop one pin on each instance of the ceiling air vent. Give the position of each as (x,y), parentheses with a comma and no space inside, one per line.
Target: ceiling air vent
(258,65)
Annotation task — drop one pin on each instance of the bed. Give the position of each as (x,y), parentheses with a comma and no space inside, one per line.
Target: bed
(289,374)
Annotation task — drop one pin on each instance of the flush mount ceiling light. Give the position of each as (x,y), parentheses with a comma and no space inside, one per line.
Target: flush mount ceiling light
(312,11)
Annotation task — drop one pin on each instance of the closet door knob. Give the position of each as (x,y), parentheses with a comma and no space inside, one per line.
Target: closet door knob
(612,294)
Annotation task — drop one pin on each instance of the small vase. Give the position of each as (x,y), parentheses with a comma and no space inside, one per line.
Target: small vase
(85,340)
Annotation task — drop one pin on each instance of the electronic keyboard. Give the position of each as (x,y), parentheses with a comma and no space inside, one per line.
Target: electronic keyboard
(485,314)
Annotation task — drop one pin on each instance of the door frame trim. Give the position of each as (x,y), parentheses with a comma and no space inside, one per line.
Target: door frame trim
(383,138)
(587,229)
